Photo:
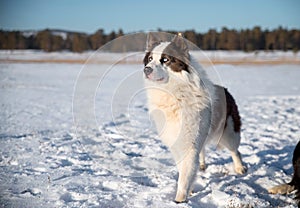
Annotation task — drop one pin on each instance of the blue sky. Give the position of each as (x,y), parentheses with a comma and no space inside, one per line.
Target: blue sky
(133,15)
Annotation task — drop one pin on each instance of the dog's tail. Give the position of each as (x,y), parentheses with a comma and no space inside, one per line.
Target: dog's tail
(232,110)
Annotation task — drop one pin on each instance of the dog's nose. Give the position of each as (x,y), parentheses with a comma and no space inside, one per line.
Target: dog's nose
(148,70)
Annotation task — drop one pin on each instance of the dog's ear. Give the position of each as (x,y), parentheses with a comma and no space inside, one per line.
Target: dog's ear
(179,41)
(153,40)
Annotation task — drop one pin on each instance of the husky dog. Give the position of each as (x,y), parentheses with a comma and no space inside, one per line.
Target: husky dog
(295,183)
(188,109)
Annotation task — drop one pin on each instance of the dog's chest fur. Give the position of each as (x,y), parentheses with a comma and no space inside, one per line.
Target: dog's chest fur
(176,109)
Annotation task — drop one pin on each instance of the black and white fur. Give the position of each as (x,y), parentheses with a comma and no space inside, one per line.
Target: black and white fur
(188,109)
(295,182)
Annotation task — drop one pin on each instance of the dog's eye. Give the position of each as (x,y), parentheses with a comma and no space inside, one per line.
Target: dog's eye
(150,58)
(165,60)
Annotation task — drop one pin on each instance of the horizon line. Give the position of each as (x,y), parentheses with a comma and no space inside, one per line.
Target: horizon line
(152,30)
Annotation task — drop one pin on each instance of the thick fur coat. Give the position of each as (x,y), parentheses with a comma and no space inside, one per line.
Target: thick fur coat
(188,109)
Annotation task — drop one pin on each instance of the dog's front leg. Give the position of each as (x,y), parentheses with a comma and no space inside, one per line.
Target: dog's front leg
(187,168)
(186,152)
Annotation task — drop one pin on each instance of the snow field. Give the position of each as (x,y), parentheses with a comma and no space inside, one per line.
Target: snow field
(116,158)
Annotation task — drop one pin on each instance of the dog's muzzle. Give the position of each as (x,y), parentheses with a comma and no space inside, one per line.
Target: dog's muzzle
(148,71)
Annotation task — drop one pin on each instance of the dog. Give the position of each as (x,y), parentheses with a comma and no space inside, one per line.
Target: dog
(188,109)
(294,185)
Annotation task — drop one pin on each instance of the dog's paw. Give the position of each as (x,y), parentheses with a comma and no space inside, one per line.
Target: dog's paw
(180,198)
(179,202)
(241,170)
(191,192)
(202,167)
(281,189)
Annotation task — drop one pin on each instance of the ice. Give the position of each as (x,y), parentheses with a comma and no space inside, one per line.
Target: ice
(117,160)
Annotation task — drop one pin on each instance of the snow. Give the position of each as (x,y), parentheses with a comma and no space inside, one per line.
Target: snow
(61,33)
(29,33)
(237,57)
(115,158)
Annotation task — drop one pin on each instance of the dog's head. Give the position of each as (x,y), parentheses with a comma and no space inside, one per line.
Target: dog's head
(165,59)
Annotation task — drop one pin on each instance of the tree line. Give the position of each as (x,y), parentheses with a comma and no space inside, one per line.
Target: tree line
(226,39)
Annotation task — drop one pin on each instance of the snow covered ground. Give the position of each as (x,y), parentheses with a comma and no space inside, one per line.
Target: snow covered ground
(113,158)
(237,57)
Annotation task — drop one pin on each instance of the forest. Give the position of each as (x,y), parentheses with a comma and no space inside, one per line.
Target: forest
(225,39)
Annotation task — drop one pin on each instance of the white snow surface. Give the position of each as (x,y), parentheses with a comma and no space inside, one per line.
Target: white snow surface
(116,158)
(260,56)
